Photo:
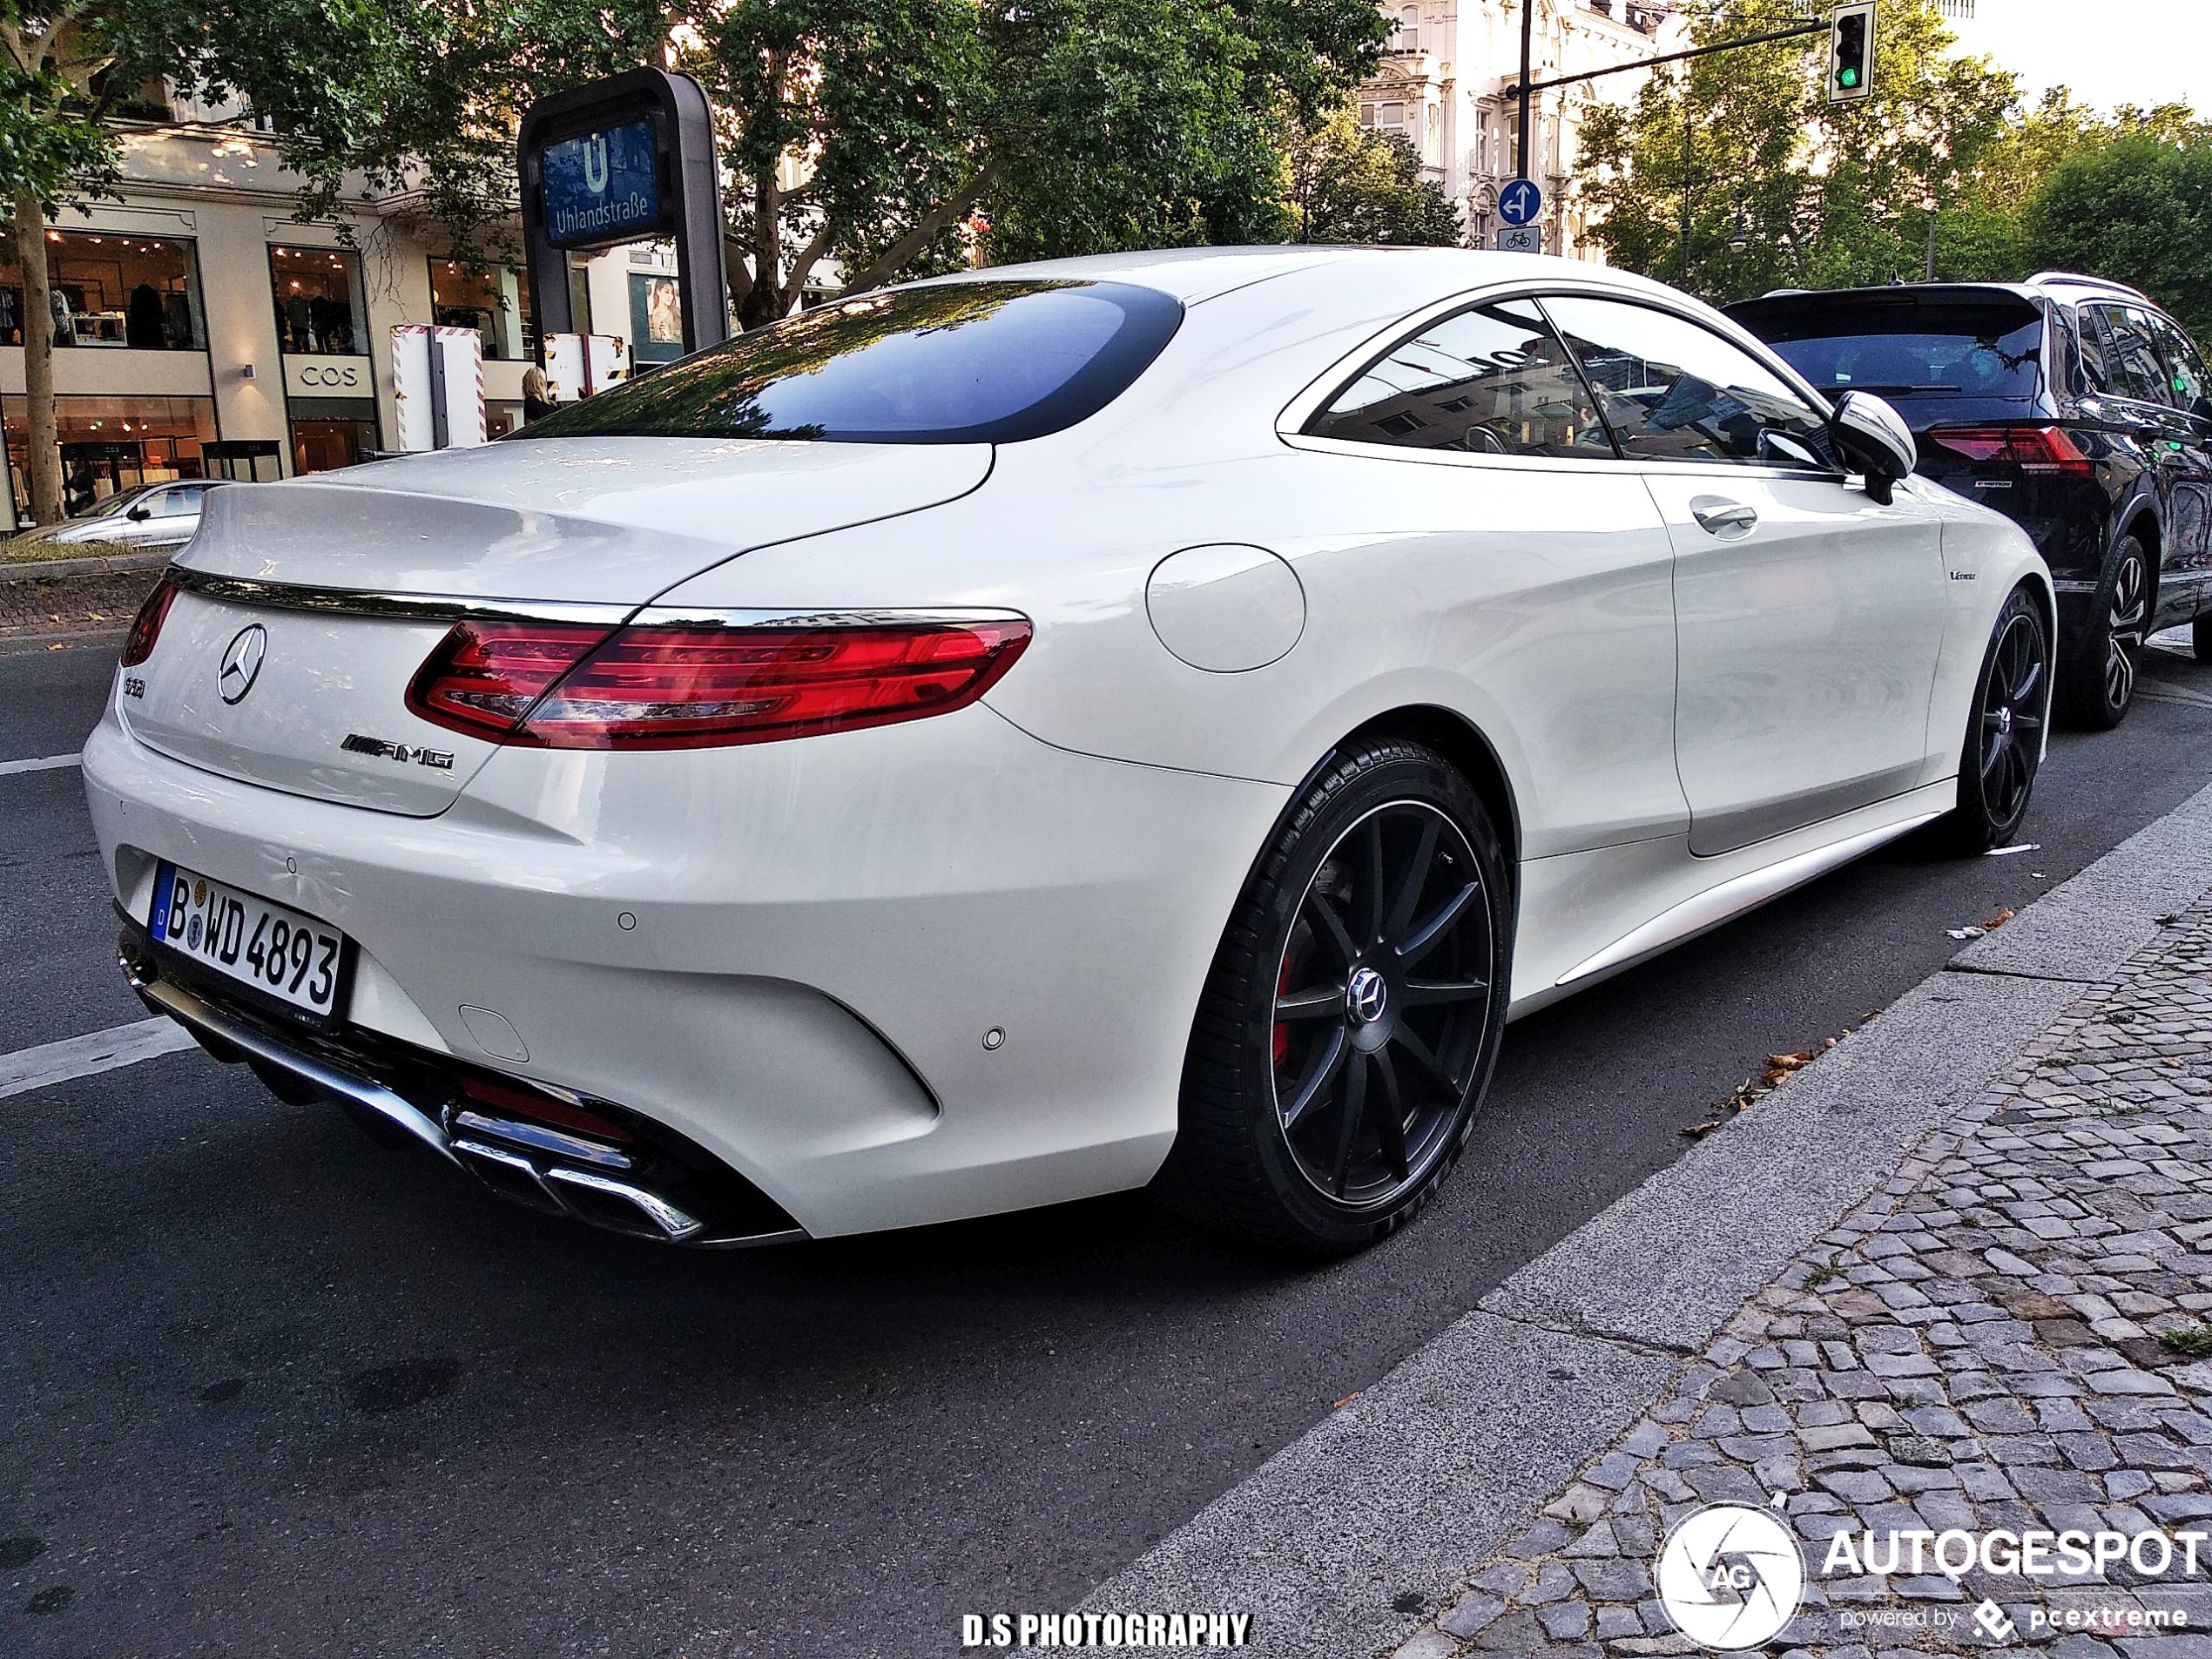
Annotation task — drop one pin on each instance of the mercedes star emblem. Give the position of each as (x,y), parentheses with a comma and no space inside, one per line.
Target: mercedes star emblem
(242,663)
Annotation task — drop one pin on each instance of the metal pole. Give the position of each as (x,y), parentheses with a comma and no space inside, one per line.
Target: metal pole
(1931,230)
(1527,55)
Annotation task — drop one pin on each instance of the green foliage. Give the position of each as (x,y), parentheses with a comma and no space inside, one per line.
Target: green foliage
(1038,127)
(2138,208)
(1825,196)
(1819,195)
(1352,183)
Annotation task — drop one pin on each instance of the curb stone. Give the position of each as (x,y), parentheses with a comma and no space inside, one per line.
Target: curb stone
(1437,1466)
(101,564)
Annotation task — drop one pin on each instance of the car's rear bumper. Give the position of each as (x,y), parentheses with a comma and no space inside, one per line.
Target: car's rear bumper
(789,954)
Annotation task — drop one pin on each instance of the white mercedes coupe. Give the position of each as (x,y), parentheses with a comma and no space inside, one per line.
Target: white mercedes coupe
(1147,720)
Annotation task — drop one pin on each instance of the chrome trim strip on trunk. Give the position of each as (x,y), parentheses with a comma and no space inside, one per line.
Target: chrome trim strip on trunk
(190,1011)
(434,607)
(369,601)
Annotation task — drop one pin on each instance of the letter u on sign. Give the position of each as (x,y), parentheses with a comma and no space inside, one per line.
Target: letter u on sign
(594,164)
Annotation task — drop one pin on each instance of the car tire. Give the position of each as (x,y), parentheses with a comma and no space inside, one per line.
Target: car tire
(2005,729)
(1353,1017)
(2200,638)
(2097,687)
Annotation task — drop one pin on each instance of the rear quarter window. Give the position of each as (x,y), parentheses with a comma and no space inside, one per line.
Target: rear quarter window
(961,362)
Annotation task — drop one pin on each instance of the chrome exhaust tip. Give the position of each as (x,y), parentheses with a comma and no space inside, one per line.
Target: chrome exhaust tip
(583,1194)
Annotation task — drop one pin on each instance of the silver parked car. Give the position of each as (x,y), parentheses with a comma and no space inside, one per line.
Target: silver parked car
(151,515)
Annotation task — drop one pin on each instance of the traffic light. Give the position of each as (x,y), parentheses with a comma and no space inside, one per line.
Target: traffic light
(1851,52)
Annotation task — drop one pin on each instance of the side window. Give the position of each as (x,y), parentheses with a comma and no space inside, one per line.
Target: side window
(2096,375)
(2185,377)
(1672,390)
(2130,359)
(177,502)
(1490,380)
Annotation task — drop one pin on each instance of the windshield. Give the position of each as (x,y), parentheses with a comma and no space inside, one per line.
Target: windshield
(1911,351)
(961,362)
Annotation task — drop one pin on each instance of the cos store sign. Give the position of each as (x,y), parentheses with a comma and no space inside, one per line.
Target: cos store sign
(328,377)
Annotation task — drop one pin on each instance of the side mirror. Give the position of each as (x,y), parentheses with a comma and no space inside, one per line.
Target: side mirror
(1872,437)
(139,513)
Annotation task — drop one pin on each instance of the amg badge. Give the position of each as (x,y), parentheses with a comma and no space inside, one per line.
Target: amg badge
(439,760)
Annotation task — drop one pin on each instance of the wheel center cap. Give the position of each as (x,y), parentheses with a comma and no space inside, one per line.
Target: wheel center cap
(1366,996)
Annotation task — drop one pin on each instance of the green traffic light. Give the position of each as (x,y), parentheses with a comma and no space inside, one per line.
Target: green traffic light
(1848,77)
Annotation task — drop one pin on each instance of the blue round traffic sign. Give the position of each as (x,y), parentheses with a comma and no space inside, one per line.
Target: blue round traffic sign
(1520,202)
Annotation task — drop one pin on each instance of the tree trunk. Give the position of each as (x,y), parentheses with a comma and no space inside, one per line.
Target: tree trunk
(42,432)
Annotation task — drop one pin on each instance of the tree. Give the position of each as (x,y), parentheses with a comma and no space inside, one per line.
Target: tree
(1352,183)
(887,133)
(1743,147)
(53,148)
(2139,209)
(390,92)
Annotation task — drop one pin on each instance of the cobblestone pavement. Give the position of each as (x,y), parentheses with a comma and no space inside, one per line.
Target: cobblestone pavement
(2015,1334)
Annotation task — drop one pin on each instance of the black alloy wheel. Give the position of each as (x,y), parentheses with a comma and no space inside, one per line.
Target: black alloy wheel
(1355,1011)
(2100,685)
(1382,1000)
(2004,733)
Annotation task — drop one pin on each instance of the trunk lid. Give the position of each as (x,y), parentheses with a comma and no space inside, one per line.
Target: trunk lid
(598,520)
(337,588)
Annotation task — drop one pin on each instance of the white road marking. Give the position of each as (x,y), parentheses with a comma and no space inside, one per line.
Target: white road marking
(59,1062)
(47,763)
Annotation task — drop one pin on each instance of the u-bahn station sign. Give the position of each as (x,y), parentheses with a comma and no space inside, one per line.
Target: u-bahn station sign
(627,160)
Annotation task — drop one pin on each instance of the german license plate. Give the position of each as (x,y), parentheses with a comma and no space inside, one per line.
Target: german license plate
(276,951)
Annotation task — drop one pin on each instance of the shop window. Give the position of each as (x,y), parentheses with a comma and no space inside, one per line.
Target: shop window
(130,293)
(322,445)
(493,300)
(110,444)
(318,305)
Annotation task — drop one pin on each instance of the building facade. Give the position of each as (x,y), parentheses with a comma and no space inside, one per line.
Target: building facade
(201,330)
(1442,86)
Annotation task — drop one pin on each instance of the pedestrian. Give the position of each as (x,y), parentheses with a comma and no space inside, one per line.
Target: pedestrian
(537,394)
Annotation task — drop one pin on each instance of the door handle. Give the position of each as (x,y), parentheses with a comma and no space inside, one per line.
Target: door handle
(1726,519)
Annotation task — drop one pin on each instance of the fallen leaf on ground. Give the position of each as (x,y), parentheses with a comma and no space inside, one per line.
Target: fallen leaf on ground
(1338,1405)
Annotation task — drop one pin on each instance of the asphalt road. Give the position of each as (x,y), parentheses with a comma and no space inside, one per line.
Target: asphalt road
(270,1389)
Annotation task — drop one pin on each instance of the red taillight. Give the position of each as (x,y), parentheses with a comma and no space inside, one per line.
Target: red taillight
(555,686)
(145,628)
(484,677)
(2045,450)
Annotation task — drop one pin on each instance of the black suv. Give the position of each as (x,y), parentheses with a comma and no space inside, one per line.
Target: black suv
(2074,406)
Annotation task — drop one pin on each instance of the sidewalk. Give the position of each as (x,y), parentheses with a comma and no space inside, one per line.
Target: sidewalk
(1984,1346)
(1923,1286)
